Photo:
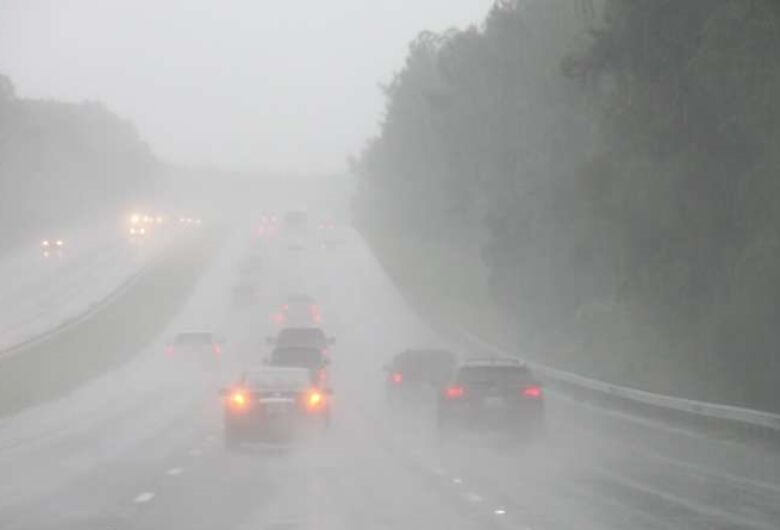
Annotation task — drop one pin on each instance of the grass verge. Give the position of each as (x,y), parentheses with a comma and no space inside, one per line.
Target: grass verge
(130,322)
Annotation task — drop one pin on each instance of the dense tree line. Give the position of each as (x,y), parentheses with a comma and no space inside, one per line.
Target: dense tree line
(617,165)
(60,162)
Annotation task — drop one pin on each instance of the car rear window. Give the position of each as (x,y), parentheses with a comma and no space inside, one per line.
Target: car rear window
(494,375)
(300,335)
(277,380)
(193,339)
(304,357)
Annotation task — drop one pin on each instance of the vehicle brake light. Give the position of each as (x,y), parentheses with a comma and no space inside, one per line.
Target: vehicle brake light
(315,400)
(532,391)
(397,378)
(169,350)
(238,399)
(455,392)
(217,350)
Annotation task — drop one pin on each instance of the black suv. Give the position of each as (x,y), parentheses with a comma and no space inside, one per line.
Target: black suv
(303,336)
(492,394)
(313,359)
(415,374)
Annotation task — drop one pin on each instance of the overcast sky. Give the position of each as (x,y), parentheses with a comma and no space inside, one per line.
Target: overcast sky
(285,84)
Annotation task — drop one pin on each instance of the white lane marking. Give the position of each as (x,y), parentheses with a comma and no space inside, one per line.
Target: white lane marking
(196,452)
(473,497)
(499,511)
(457,480)
(144,497)
(174,471)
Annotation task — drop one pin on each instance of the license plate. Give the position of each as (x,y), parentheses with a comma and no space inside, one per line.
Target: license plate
(494,402)
(275,409)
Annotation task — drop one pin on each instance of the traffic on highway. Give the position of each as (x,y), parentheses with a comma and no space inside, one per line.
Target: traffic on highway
(351,412)
(400,265)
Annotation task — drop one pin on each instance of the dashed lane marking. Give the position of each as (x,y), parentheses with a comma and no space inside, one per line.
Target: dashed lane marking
(174,471)
(473,497)
(144,497)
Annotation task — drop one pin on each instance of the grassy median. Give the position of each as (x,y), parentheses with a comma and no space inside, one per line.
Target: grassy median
(125,326)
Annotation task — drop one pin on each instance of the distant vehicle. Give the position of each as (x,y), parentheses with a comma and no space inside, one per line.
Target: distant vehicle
(268,226)
(273,404)
(245,292)
(416,374)
(252,264)
(52,248)
(499,395)
(137,233)
(329,234)
(310,337)
(298,310)
(195,345)
(314,359)
(296,221)
(190,221)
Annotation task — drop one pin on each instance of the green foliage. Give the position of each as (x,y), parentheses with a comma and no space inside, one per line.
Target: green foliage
(621,178)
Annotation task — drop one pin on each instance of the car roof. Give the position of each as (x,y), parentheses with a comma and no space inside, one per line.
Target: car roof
(277,377)
(194,333)
(274,370)
(288,347)
(302,329)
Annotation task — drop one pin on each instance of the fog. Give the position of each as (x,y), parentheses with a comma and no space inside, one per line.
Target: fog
(455,264)
(240,84)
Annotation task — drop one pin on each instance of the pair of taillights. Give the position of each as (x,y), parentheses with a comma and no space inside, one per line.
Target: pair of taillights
(457,392)
(240,399)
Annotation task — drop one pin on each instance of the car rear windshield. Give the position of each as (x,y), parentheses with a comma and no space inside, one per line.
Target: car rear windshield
(296,219)
(300,335)
(304,357)
(500,375)
(193,339)
(277,380)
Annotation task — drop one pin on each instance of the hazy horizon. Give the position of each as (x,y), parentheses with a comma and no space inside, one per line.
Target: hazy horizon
(237,87)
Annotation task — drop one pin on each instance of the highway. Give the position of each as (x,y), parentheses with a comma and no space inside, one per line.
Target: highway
(140,446)
(39,293)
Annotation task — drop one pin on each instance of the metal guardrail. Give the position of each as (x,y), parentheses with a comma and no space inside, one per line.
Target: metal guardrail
(699,408)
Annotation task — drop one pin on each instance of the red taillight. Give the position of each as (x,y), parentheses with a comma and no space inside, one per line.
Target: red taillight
(397,378)
(455,392)
(532,391)
(217,350)
(315,400)
(169,350)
